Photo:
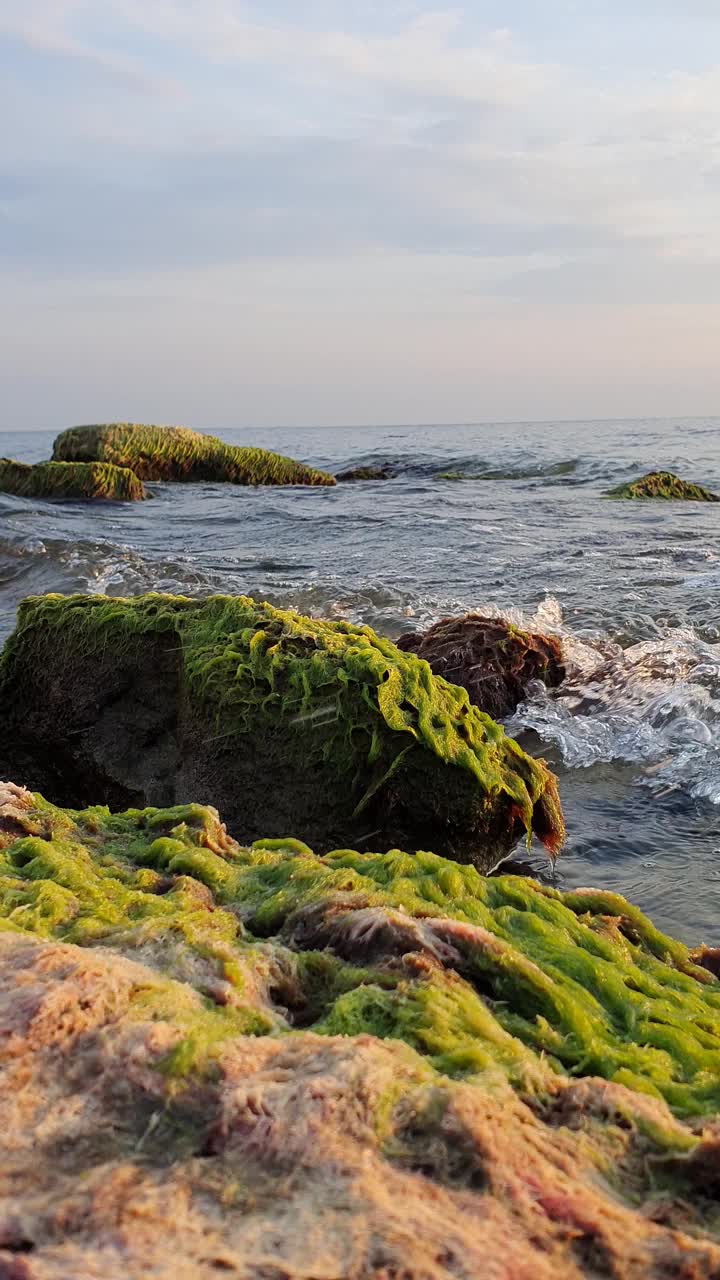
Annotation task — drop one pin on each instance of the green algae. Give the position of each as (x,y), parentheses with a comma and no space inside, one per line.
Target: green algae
(544,986)
(363,711)
(664,485)
(178,454)
(71,481)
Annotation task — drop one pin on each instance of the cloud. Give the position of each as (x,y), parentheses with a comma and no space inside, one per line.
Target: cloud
(427,55)
(47,35)
(395,157)
(286,198)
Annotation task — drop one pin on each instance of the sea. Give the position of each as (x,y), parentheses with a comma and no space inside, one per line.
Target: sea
(502,518)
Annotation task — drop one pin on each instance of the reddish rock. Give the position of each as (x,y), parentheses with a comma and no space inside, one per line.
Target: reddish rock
(494,660)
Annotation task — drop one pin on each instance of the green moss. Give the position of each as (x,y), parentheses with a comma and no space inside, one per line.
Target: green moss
(544,986)
(176,453)
(71,481)
(582,978)
(663,484)
(363,710)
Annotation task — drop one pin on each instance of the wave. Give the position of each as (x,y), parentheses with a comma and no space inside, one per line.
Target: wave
(640,692)
(33,566)
(654,705)
(449,467)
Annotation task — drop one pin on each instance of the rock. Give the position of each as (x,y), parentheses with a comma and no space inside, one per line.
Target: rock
(366,473)
(286,723)
(494,660)
(71,481)
(175,453)
(345,1066)
(663,484)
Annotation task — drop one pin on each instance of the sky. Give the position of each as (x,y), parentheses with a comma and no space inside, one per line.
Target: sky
(326,212)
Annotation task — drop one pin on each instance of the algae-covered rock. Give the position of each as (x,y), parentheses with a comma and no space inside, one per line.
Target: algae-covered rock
(71,481)
(268,1063)
(663,484)
(286,723)
(176,453)
(494,660)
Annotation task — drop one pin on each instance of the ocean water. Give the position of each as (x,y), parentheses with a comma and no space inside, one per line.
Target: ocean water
(633,591)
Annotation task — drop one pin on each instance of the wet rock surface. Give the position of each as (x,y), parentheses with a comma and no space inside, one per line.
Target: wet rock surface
(285,723)
(494,660)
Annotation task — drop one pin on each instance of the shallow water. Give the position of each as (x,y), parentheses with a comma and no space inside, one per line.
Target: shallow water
(633,590)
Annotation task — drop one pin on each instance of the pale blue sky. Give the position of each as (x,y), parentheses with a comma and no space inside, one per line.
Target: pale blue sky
(232,214)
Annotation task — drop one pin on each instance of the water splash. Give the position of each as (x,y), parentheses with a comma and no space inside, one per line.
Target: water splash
(654,704)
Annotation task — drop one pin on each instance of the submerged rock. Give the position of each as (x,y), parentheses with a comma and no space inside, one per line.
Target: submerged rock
(494,660)
(366,473)
(663,484)
(286,723)
(176,453)
(264,1062)
(71,481)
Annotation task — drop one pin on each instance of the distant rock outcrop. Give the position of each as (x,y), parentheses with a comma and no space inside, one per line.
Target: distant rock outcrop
(663,484)
(176,453)
(71,481)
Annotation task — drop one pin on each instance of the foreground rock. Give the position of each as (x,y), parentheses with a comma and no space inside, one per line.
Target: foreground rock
(494,660)
(175,453)
(286,723)
(663,484)
(71,481)
(265,1063)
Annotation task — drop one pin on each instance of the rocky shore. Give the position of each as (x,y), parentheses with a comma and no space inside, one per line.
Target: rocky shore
(263,1062)
(112,460)
(288,724)
(305,1043)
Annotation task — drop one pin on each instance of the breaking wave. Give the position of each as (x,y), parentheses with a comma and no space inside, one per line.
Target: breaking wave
(653,704)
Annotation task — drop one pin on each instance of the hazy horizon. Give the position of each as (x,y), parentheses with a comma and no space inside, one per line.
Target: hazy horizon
(234,214)
(209,428)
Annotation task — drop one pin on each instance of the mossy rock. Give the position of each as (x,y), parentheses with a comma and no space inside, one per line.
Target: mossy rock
(494,660)
(524,980)
(286,723)
(665,485)
(71,481)
(178,454)
(259,1060)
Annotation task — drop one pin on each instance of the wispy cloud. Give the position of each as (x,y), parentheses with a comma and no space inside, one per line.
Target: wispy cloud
(43,29)
(473,165)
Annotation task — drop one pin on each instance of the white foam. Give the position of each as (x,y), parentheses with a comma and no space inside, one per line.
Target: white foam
(655,704)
